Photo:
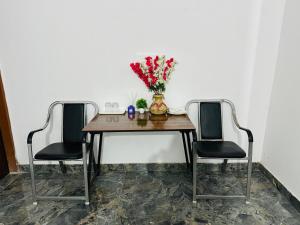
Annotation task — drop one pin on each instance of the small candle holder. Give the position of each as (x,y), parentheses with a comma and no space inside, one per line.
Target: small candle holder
(131,109)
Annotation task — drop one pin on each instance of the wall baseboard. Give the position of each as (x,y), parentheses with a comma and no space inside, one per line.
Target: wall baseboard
(280,187)
(168,167)
(140,167)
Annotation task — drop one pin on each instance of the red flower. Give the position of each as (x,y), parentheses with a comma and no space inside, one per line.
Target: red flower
(149,64)
(155,63)
(153,79)
(169,61)
(137,69)
(165,73)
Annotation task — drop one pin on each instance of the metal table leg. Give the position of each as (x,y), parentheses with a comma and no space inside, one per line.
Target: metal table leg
(185,150)
(90,158)
(99,152)
(189,144)
(191,153)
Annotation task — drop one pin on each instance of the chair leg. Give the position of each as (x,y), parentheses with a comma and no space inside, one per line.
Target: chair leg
(223,166)
(249,173)
(194,176)
(63,167)
(32,174)
(249,180)
(85,171)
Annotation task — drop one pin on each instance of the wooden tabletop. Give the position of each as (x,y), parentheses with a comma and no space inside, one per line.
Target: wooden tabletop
(138,122)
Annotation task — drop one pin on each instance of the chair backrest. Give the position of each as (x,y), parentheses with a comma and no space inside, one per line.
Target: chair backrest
(209,118)
(73,122)
(210,123)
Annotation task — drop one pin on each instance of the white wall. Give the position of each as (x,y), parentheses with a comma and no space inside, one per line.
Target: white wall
(281,146)
(52,50)
(263,68)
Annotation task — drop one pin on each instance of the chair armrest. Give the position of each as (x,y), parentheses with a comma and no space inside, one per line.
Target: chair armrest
(249,133)
(31,133)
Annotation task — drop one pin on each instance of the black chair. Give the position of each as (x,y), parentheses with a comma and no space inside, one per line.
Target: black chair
(211,145)
(74,145)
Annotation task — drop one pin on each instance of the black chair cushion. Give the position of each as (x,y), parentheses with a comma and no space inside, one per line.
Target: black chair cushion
(219,149)
(60,151)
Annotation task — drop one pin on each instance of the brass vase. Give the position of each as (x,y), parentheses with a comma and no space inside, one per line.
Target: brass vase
(158,107)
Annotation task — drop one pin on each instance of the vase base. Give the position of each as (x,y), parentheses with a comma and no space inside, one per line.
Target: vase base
(159,113)
(161,117)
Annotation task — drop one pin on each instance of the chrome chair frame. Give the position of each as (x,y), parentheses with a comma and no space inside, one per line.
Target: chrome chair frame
(84,159)
(196,157)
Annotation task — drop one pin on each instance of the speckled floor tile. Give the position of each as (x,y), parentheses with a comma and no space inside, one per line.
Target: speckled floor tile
(145,197)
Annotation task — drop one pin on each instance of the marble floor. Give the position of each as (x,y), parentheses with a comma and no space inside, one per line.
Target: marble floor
(144,197)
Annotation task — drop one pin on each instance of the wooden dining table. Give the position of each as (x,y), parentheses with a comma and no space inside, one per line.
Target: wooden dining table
(145,122)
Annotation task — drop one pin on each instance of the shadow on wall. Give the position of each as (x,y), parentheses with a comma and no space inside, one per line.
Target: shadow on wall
(165,153)
(172,150)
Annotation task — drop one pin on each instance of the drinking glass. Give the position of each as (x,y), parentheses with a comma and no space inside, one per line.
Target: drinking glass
(108,107)
(115,107)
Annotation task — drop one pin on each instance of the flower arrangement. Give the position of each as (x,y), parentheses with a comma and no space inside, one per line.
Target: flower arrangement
(155,72)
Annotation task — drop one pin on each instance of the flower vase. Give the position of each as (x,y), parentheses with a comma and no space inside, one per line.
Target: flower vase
(158,107)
